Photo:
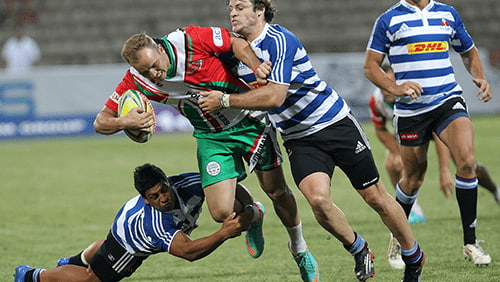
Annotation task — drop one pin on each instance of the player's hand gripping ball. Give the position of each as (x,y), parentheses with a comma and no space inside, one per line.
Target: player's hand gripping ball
(129,100)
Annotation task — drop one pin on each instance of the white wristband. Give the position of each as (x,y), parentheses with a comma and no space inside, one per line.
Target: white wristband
(224,101)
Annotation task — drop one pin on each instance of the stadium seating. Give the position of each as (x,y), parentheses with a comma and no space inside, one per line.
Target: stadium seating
(93,31)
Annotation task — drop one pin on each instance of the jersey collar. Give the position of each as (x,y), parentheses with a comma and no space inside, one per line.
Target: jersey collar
(169,49)
(414,8)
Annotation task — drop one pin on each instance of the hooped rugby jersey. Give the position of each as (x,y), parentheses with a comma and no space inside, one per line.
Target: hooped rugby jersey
(417,43)
(194,66)
(310,104)
(143,230)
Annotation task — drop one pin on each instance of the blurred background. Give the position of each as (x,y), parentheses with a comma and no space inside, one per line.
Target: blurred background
(79,44)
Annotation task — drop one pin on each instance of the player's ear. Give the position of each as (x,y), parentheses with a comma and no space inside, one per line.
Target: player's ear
(145,200)
(160,49)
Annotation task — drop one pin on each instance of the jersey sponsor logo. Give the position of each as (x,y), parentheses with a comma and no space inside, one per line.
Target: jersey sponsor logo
(427,47)
(115,97)
(213,168)
(409,136)
(217,36)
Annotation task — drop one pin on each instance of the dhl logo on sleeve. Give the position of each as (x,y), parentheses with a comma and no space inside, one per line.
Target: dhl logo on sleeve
(427,47)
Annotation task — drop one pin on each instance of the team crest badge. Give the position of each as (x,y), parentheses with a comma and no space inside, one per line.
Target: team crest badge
(213,168)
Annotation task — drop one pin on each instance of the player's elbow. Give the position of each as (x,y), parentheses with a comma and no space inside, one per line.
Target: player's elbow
(275,102)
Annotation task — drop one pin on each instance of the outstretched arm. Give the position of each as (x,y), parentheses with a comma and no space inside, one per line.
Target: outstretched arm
(270,96)
(184,247)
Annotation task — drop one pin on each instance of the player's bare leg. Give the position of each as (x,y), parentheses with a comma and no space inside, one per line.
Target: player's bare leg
(485,180)
(394,218)
(284,203)
(316,189)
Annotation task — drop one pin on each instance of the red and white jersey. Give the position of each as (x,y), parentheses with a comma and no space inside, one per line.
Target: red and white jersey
(380,110)
(194,66)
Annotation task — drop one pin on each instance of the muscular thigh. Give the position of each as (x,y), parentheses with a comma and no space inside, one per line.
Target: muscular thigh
(342,144)
(223,155)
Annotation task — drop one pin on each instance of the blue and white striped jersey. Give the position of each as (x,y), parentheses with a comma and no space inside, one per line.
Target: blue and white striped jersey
(143,230)
(310,104)
(417,44)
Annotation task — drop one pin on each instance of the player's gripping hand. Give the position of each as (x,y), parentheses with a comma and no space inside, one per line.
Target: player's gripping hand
(232,227)
(262,72)
(137,119)
(210,100)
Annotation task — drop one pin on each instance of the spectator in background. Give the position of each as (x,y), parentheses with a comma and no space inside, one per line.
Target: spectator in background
(20,52)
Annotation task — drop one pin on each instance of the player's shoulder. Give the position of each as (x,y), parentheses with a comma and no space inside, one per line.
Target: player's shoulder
(191,180)
(397,9)
(280,35)
(442,7)
(188,185)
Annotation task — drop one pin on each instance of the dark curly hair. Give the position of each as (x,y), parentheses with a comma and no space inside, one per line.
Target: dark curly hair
(268,5)
(146,176)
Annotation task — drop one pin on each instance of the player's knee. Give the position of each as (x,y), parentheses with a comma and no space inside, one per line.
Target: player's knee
(279,194)
(220,214)
(319,203)
(392,168)
(467,166)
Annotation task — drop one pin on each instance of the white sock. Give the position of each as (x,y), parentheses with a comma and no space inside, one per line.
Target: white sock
(417,209)
(256,212)
(297,242)
(82,257)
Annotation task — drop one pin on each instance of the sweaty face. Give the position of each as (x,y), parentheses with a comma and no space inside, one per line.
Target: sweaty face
(243,18)
(153,63)
(161,197)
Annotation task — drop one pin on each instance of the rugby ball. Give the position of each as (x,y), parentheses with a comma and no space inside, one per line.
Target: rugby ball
(129,100)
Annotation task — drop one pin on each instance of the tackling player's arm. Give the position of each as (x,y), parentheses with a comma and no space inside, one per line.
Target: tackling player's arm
(270,96)
(108,122)
(244,52)
(184,247)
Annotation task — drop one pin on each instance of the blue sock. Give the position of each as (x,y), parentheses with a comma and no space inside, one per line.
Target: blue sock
(357,246)
(405,200)
(413,255)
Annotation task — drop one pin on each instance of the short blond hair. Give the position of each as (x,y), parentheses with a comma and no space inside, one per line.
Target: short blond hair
(134,44)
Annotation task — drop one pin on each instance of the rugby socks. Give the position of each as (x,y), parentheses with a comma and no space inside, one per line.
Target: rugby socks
(257,212)
(297,242)
(405,200)
(412,256)
(357,246)
(466,193)
(32,275)
(79,260)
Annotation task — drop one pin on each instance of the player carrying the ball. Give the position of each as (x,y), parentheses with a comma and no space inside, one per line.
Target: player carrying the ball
(172,70)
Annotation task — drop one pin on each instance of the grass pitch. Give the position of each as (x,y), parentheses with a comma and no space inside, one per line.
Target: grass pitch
(59,195)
